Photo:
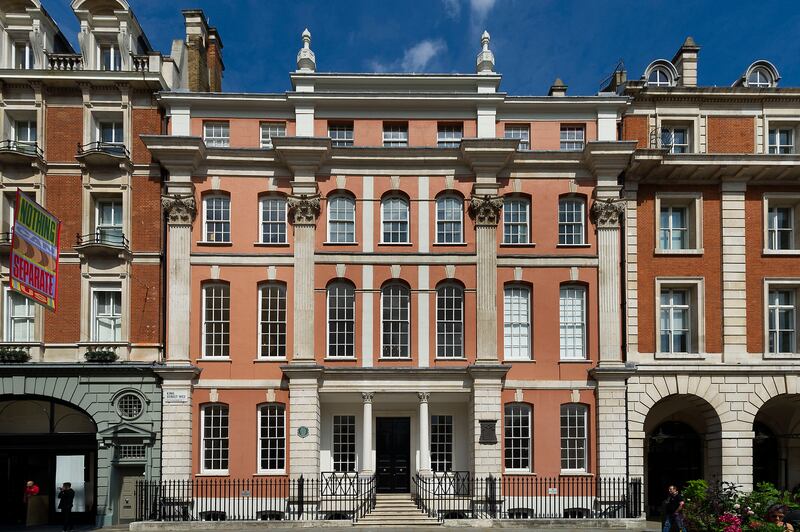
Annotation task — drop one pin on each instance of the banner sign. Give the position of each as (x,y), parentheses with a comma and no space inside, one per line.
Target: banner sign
(34,252)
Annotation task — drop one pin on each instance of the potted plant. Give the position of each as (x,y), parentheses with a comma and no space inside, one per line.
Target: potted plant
(13,355)
(101,355)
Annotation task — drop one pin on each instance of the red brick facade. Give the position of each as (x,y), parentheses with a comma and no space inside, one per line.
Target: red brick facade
(64,131)
(634,127)
(728,134)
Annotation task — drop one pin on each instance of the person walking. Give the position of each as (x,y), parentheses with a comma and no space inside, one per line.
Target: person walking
(673,510)
(65,497)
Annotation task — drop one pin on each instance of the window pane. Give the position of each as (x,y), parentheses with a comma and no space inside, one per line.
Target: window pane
(395,302)
(573,437)
(215,438)
(341,219)
(395,220)
(516,323)
(216,320)
(273,220)
(517,425)
(573,322)
(450,321)
(273,320)
(107,308)
(341,320)
(448,220)
(515,221)
(217,219)
(441,443)
(570,222)
(272,437)
(344,444)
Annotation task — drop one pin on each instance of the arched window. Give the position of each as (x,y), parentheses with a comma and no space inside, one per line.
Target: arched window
(659,77)
(572,318)
(341,219)
(272,438)
(571,221)
(449,321)
(395,323)
(216,319)
(449,219)
(217,218)
(759,78)
(516,322)
(517,427)
(341,319)
(273,220)
(214,435)
(573,437)
(272,320)
(394,213)
(516,220)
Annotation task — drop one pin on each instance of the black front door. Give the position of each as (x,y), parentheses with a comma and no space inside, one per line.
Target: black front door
(393,450)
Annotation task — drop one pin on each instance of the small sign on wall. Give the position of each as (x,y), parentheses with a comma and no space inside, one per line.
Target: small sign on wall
(488,434)
(176,396)
(552,491)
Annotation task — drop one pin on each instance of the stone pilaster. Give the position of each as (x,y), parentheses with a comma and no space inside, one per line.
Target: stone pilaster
(607,215)
(734,275)
(303,210)
(424,465)
(486,212)
(487,411)
(304,421)
(366,452)
(612,445)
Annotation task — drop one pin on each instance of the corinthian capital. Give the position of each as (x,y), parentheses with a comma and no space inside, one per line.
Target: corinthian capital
(608,213)
(303,208)
(179,209)
(486,209)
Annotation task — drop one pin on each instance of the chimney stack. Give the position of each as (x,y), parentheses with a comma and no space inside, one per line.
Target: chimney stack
(558,88)
(685,62)
(204,53)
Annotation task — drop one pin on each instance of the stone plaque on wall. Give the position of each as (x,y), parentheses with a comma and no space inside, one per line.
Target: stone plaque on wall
(488,435)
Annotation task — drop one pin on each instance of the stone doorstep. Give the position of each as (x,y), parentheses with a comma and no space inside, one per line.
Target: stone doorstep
(544,524)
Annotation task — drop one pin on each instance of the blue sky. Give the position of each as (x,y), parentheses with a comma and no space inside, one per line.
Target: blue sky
(534,41)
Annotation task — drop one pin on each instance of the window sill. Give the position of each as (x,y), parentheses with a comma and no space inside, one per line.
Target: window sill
(457,359)
(270,359)
(695,251)
(279,473)
(519,360)
(678,356)
(519,473)
(781,252)
(271,244)
(213,474)
(781,356)
(214,359)
(520,245)
(570,473)
(340,359)
(568,246)
(401,244)
(575,361)
(215,244)
(402,359)
(450,244)
(340,243)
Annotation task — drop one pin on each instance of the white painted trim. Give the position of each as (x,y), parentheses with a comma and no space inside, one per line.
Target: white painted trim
(203,470)
(367,317)
(368,213)
(423,317)
(259,295)
(695,203)
(696,315)
(339,194)
(423,217)
(405,199)
(258,441)
(783,282)
(105,286)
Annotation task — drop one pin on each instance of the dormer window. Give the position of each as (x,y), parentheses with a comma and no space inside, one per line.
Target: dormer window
(760,74)
(109,58)
(659,77)
(23,55)
(661,73)
(759,78)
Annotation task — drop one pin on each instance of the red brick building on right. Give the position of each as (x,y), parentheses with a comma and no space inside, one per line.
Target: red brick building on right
(711,267)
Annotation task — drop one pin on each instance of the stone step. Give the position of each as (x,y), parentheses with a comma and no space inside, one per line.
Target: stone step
(401,522)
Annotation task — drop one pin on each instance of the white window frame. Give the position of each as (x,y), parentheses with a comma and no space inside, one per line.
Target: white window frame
(441,444)
(385,201)
(115,57)
(507,200)
(776,148)
(280,299)
(203,322)
(213,140)
(562,201)
(265,442)
(575,329)
(210,471)
(574,411)
(570,139)
(457,346)
(347,438)
(444,222)
(352,222)
(767,81)
(696,288)
(522,132)
(100,227)
(670,130)
(106,287)
(341,134)
(395,135)
(30,60)
(785,284)
(775,200)
(117,127)
(517,328)
(269,130)
(449,135)
(262,203)
(666,82)
(407,291)
(30,125)
(30,318)
(528,415)
(338,284)
(693,202)
(225,236)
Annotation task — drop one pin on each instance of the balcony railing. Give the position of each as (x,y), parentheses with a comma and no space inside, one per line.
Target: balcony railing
(103,237)
(20,147)
(256,499)
(64,61)
(140,63)
(114,149)
(457,496)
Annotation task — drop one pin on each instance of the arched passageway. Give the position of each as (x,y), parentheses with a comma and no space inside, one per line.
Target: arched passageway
(776,442)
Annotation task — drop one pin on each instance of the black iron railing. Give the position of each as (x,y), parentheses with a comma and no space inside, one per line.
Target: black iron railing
(331,496)
(101,237)
(22,147)
(457,496)
(116,149)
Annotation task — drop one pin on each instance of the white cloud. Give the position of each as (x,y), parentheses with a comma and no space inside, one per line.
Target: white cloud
(415,59)
(452,8)
(479,9)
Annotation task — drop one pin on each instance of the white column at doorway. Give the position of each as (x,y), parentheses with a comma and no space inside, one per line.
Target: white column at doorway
(366,459)
(424,436)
